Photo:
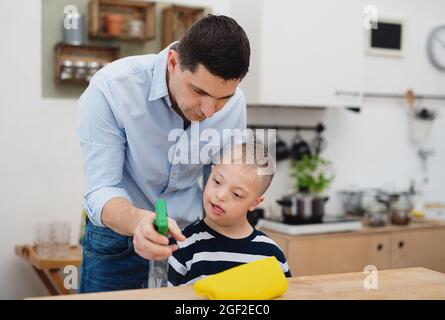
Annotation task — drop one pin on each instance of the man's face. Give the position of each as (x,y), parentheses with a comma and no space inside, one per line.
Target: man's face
(231,191)
(198,95)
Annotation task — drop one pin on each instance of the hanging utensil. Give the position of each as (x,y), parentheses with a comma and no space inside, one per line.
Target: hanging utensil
(299,148)
(318,144)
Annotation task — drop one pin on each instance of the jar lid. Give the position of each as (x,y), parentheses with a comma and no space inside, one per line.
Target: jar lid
(93,64)
(67,63)
(80,64)
(375,206)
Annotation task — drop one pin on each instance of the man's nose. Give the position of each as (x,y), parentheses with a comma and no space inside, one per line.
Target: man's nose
(208,107)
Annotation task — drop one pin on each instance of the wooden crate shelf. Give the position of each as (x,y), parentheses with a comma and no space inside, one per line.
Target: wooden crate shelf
(129,11)
(87,54)
(176,20)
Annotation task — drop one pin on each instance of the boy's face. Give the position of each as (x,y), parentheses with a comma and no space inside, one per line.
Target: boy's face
(231,191)
(200,94)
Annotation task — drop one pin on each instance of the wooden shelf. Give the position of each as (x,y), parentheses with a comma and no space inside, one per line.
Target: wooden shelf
(176,20)
(86,54)
(129,11)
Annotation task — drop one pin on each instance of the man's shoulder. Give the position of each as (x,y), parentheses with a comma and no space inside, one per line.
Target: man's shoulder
(128,67)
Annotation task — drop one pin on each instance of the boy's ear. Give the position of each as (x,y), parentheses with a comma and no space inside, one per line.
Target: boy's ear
(256,203)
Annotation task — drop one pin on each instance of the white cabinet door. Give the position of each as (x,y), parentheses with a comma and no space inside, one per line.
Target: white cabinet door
(309,50)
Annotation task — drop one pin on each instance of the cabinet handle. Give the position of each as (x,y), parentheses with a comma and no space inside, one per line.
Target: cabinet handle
(379,247)
(401,244)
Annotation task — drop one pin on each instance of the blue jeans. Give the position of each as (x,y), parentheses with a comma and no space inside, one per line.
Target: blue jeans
(110,262)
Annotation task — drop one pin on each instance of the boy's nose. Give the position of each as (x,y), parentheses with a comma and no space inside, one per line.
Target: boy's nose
(221,195)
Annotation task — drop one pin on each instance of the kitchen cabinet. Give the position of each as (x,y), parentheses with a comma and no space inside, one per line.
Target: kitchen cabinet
(416,245)
(308,53)
(348,253)
(419,247)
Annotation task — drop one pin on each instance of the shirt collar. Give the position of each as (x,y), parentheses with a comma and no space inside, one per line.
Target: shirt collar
(159,87)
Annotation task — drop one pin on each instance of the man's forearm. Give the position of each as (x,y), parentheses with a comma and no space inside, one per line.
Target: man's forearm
(121,216)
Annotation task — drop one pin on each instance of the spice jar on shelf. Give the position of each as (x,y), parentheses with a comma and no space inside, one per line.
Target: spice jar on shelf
(93,67)
(135,28)
(67,70)
(80,70)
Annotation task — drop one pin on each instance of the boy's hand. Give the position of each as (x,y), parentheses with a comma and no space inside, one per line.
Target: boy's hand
(150,244)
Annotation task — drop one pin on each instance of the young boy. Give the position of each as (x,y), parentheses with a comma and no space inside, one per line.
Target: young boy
(224,238)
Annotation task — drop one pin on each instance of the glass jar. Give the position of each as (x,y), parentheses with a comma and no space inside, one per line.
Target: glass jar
(80,70)
(93,67)
(400,211)
(135,28)
(376,214)
(67,70)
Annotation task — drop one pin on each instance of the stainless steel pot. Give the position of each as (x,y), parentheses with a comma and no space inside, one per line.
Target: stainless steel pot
(302,208)
(398,204)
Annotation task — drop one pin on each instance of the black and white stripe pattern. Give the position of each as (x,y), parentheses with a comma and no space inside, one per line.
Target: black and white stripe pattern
(206,252)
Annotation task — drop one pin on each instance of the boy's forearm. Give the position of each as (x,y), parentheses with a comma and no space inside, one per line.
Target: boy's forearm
(121,216)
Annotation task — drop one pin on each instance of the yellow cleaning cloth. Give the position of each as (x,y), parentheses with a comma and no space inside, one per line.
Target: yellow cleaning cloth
(259,280)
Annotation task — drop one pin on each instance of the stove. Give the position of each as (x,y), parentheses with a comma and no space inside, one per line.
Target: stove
(328,224)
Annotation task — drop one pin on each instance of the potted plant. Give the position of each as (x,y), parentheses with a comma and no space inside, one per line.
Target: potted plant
(313,175)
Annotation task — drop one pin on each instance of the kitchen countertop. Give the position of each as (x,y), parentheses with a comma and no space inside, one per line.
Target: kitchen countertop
(414,225)
(404,284)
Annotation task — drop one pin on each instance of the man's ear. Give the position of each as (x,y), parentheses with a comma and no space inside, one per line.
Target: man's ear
(172,60)
(256,203)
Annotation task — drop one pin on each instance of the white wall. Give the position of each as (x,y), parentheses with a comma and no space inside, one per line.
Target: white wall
(370,149)
(40,166)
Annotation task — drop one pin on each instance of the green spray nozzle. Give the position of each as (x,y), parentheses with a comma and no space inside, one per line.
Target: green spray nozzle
(160,222)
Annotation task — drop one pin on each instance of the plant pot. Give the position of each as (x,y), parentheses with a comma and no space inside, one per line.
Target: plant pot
(114,23)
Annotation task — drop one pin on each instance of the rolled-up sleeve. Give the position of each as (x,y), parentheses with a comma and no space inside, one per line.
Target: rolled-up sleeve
(103,145)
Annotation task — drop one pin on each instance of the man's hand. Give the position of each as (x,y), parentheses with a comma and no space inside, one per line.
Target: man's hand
(150,244)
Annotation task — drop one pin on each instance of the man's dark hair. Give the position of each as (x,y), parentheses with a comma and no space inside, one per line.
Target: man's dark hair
(219,44)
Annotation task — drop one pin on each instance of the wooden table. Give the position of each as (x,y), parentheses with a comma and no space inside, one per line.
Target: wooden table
(48,269)
(411,283)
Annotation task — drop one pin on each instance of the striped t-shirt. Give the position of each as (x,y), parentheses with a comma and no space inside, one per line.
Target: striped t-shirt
(206,252)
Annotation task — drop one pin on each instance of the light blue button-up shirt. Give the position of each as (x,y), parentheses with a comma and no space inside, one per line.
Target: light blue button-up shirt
(124,120)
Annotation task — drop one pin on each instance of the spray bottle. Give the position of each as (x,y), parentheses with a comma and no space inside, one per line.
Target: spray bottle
(157,274)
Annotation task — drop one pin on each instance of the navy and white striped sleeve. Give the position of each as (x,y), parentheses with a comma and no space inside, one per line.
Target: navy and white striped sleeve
(176,269)
(283,263)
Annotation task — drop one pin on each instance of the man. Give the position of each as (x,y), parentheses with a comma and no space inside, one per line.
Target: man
(125,117)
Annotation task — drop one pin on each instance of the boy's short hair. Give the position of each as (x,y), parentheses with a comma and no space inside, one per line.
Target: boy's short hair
(252,154)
